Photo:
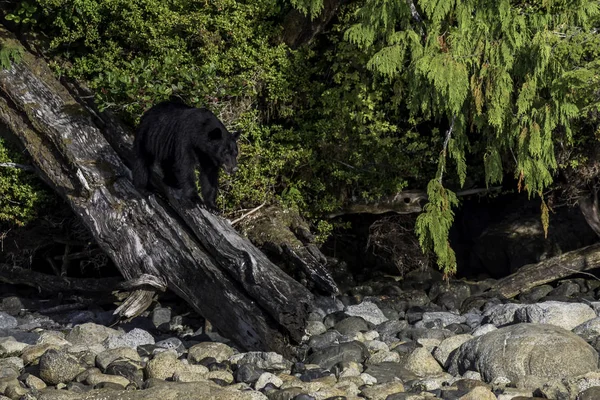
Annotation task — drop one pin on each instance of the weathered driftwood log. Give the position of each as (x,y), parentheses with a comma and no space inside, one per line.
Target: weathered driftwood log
(554,268)
(405,202)
(591,212)
(197,255)
(54,284)
(286,236)
(549,270)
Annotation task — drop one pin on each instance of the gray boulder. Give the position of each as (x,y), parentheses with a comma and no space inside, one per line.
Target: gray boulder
(589,329)
(541,350)
(565,315)
(368,311)
(59,367)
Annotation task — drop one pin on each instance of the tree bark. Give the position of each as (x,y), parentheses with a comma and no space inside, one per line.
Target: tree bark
(197,255)
(54,284)
(405,202)
(549,270)
(286,236)
(299,29)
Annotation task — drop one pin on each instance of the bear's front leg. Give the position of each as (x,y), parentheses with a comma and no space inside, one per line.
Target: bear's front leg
(209,181)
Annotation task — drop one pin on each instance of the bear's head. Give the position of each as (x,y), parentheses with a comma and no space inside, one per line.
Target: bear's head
(226,150)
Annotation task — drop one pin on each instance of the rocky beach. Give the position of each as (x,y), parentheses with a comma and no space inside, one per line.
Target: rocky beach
(415,338)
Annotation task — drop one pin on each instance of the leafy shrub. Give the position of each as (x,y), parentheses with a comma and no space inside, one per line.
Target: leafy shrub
(22,195)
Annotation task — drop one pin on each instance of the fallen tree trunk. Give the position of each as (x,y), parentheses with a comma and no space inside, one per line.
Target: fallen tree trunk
(549,270)
(285,235)
(54,284)
(405,202)
(197,255)
(561,266)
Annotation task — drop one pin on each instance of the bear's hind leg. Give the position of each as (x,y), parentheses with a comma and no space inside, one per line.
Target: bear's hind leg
(170,175)
(183,175)
(142,166)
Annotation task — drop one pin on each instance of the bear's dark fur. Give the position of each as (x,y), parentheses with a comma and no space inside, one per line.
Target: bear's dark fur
(178,137)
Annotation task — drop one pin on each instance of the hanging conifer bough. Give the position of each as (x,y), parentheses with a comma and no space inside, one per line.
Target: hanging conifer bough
(500,72)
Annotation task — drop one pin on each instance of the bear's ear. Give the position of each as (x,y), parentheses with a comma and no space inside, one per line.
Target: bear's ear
(236,135)
(215,134)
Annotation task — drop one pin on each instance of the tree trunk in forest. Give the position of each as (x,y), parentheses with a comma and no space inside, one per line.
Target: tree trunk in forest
(299,29)
(199,256)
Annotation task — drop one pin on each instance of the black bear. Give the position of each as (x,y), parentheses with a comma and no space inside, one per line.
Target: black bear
(178,137)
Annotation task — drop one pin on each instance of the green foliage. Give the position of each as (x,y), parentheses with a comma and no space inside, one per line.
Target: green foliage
(433,225)
(25,14)
(500,68)
(362,112)
(10,52)
(308,7)
(21,194)
(318,128)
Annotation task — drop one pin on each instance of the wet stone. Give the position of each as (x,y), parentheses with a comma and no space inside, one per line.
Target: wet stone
(352,325)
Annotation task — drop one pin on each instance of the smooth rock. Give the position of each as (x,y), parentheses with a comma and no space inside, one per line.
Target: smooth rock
(565,315)
(264,360)
(389,372)
(525,349)
(384,356)
(443,351)
(32,381)
(9,347)
(98,378)
(58,366)
(351,325)
(422,363)
(314,328)
(479,393)
(134,338)
(483,329)
(368,311)
(90,333)
(7,321)
(589,329)
(382,391)
(106,357)
(11,363)
(345,352)
(191,373)
(172,343)
(163,365)
(219,351)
